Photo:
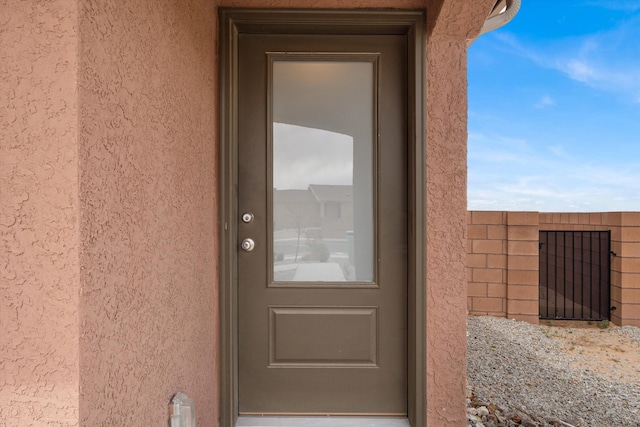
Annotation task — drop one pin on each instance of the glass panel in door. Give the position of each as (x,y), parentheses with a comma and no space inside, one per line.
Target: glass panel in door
(323,155)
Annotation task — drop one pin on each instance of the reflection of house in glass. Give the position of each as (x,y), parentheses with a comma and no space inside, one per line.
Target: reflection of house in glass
(336,208)
(324,211)
(314,225)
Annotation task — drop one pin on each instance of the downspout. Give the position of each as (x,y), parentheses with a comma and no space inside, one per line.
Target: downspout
(503,12)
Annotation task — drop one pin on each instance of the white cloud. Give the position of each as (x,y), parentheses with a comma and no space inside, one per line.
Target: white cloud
(612,68)
(606,61)
(545,101)
(547,178)
(578,69)
(510,41)
(563,168)
(497,149)
(558,150)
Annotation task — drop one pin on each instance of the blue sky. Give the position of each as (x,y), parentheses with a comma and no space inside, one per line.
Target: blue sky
(554,109)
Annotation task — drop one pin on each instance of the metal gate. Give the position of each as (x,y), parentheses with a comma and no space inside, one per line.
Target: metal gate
(575,275)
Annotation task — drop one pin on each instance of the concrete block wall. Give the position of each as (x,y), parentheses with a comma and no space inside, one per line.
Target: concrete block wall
(502,264)
(487,263)
(522,266)
(625,264)
(629,271)
(503,261)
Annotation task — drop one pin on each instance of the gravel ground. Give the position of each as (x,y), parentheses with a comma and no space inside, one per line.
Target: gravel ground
(539,375)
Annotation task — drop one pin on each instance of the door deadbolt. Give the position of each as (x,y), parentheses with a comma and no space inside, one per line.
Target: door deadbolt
(247,217)
(248,245)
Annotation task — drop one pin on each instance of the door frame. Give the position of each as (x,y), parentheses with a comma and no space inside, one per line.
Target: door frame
(234,22)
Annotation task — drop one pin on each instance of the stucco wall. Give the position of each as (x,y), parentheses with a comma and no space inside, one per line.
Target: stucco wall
(38,214)
(147,97)
(109,294)
(449,28)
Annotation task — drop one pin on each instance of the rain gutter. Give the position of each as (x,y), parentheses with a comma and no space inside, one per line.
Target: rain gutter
(503,12)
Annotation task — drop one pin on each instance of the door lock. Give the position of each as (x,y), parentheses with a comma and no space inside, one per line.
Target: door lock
(247,217)
(248,245)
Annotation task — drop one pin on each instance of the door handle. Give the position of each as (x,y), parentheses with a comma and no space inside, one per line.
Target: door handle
(248,245)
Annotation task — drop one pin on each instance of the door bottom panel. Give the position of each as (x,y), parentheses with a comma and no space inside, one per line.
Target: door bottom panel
(323,421)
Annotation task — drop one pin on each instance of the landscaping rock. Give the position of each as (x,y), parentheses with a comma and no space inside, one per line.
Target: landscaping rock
(525,375)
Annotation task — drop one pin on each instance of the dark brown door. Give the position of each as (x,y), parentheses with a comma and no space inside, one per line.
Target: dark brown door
(322,238)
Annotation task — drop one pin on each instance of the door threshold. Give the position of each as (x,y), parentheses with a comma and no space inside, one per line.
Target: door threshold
(326,421)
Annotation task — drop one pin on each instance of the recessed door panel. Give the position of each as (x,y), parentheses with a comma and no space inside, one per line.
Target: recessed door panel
(323,337)
(322,232)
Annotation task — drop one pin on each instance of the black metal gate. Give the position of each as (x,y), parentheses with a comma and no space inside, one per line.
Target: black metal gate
(575,275)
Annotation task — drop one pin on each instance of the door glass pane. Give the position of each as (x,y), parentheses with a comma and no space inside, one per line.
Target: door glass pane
(323,156)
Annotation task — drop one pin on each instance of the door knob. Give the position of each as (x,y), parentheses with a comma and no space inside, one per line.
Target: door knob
(248,245)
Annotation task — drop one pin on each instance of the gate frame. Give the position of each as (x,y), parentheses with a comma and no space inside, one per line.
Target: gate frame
(608,278)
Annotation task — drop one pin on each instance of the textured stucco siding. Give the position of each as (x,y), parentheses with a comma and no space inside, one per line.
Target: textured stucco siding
(38,214)
(147,108)
(450,25)
(446,231)
(324,4)
(109,209)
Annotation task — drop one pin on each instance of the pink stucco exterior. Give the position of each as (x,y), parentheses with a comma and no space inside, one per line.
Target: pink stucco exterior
(147,178)
(446,202)
(108,207)
(39,214)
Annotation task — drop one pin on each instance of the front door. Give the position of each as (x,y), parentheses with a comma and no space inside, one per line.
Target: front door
(322,224)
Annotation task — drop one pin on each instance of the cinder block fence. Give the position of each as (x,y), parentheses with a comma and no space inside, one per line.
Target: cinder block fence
(503,261)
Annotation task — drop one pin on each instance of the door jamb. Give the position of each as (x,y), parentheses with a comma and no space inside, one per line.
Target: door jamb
(234,22)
